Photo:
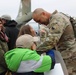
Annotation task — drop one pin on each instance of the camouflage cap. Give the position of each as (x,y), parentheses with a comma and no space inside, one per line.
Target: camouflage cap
(6,17)
(25,41)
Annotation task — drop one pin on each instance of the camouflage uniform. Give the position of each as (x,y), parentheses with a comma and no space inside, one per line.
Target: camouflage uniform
(61,35)
(3,49)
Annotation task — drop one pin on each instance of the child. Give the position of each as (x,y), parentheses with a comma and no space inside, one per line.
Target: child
(24,59)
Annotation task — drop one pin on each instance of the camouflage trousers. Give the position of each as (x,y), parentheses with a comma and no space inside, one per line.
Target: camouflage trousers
(69,58)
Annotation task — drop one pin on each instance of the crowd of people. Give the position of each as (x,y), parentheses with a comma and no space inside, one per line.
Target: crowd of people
(22,53)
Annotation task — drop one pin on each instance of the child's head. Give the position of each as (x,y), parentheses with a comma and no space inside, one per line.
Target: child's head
(27,29)
(26,41)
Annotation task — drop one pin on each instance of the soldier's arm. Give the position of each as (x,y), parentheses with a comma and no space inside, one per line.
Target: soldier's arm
(56,29)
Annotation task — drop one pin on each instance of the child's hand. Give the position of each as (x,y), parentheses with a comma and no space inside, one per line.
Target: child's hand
(33,46)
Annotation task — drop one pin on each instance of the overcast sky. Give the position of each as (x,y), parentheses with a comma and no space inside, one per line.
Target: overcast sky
(11,6)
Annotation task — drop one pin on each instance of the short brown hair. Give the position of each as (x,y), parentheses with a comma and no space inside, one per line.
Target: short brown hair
(25,29)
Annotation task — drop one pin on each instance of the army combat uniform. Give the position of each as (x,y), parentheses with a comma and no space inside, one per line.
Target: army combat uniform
(59,34)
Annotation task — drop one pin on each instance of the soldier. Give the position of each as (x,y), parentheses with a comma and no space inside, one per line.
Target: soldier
(60,34)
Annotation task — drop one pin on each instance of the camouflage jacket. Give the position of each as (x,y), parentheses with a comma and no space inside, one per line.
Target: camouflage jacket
(3,49)
(59,34)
